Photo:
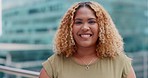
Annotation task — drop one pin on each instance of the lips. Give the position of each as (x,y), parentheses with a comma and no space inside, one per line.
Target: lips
(85,36)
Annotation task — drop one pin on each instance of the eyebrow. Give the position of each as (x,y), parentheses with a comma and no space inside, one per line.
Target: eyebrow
(92,19)
(78,19)
(88,19)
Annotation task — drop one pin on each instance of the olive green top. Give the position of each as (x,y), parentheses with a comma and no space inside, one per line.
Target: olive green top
(58,66)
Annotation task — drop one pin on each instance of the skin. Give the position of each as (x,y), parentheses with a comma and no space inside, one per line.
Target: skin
(85,33)
(131,74)
(43,74)
(85,28)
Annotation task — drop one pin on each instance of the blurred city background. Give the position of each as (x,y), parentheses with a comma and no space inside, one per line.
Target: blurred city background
(28,28)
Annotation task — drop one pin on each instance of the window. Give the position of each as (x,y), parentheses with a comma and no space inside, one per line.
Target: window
(19,31)
(41,30)
(33,11)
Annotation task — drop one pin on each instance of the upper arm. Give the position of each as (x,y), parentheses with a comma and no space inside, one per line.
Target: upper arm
(131,73)
(43,74)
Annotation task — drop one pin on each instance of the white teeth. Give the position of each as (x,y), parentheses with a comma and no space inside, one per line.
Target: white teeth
(85,36)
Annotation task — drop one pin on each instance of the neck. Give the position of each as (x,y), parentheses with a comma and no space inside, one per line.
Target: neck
(88,51)
(85,56)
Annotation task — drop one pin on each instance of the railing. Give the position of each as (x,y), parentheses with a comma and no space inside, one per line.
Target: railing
(20,72)
(140,63)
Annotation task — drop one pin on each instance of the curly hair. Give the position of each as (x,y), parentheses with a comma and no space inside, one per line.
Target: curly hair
(109,43)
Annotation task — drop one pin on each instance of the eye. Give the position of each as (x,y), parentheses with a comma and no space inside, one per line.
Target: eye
(78,22)
(91,22)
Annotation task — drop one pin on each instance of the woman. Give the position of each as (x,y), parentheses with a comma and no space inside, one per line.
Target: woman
(87,45)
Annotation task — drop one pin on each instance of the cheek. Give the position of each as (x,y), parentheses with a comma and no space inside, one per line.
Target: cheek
(96,32)
(75,29)
(95,29)
(73,33)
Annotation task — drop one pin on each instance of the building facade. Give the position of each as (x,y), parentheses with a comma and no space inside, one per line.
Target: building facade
(36,21)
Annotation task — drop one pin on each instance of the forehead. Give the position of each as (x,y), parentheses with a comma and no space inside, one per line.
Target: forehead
(85,11)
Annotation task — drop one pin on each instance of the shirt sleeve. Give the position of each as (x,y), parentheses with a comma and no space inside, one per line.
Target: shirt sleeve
(127,66)
(48,65)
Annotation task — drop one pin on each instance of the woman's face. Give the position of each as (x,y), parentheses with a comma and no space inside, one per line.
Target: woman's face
(85,28)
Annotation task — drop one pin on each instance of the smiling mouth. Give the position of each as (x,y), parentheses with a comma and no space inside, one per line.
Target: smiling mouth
(85,35)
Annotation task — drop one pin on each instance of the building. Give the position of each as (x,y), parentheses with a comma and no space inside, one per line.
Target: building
(35,22)
(131,18)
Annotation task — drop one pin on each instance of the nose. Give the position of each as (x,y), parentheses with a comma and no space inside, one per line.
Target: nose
(85,27)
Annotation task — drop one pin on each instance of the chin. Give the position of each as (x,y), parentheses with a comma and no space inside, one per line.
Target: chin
(85,45)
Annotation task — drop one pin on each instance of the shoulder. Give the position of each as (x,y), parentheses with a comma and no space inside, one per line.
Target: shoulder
(55,59)
(51,65)
(121,60)
(125,64)
(123,57)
